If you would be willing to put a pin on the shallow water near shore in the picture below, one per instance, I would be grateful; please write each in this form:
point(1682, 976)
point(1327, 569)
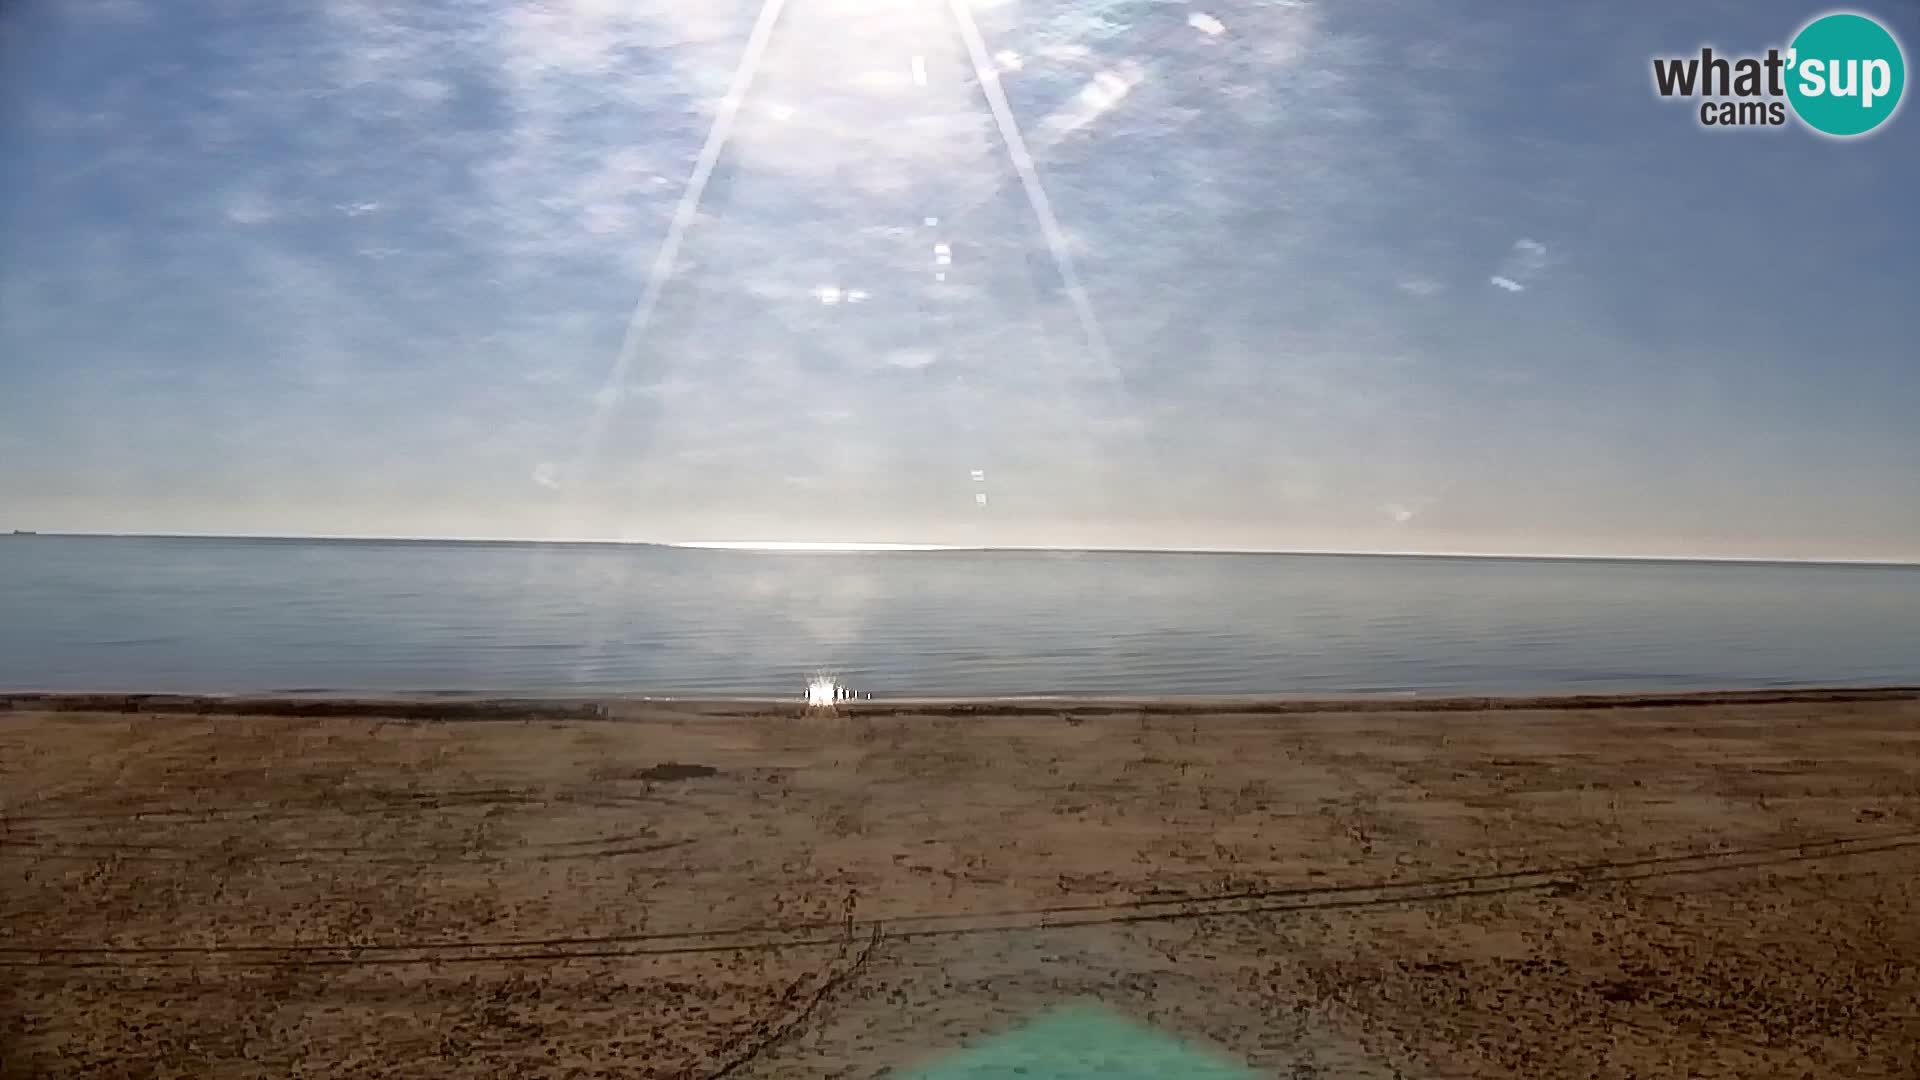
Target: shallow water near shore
point(196, 615)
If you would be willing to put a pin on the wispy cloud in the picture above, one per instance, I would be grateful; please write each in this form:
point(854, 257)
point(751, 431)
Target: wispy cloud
point(1525, 262)
point(1206, 24)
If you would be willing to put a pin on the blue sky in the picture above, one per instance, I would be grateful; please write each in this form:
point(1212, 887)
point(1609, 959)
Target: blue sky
point(1362, 275)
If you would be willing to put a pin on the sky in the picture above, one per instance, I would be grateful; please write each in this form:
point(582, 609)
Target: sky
point(1371, 275)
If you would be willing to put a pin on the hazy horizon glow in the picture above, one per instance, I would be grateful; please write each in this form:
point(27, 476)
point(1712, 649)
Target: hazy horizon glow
point(803, 545)
point(848, 275)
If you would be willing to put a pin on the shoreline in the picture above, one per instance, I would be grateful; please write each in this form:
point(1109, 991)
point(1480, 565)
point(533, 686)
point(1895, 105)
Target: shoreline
point(906, 548)
point(460, 705)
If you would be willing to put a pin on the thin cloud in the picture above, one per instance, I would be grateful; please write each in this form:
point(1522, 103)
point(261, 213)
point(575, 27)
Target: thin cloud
point(1206, 24)
point(1525, 262)
point(250, 209)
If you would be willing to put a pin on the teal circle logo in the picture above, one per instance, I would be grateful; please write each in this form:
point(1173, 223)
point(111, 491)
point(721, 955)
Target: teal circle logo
point(1845, 73)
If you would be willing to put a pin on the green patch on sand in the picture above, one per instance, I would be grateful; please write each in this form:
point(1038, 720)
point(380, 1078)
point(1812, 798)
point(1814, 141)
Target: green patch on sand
point(1081, 1043)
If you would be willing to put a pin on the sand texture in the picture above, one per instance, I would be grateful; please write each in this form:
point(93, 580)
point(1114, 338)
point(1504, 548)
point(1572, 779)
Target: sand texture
point(1718, 887)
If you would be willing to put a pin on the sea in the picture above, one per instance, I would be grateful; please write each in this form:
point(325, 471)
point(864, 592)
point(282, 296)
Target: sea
point(190, 615)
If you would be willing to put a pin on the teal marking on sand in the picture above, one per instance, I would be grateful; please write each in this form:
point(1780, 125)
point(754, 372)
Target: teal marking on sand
point(1082, 1044)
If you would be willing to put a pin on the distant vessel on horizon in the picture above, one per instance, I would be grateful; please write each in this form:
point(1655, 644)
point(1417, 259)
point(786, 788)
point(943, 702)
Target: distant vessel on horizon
point(25, 532)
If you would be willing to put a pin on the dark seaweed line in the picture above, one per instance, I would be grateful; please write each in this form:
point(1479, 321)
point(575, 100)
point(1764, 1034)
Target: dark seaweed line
point(522, 709)
point(294, 706)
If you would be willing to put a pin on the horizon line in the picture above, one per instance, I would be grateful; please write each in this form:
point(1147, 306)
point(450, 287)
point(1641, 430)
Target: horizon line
point(768, 547)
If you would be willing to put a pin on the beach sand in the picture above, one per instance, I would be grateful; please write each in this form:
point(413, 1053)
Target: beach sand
point(1714, 887)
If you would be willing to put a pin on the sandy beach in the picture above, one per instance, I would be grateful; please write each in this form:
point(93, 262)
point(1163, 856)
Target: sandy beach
point(1691, 886)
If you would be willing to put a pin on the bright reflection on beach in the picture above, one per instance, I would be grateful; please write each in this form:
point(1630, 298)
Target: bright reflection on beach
point(822, 691)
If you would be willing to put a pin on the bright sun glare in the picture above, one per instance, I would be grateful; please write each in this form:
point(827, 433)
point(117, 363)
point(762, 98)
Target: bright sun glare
point(822, 691)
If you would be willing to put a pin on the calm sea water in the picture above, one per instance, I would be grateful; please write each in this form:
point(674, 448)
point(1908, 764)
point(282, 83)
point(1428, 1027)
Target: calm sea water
point(239, 615)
